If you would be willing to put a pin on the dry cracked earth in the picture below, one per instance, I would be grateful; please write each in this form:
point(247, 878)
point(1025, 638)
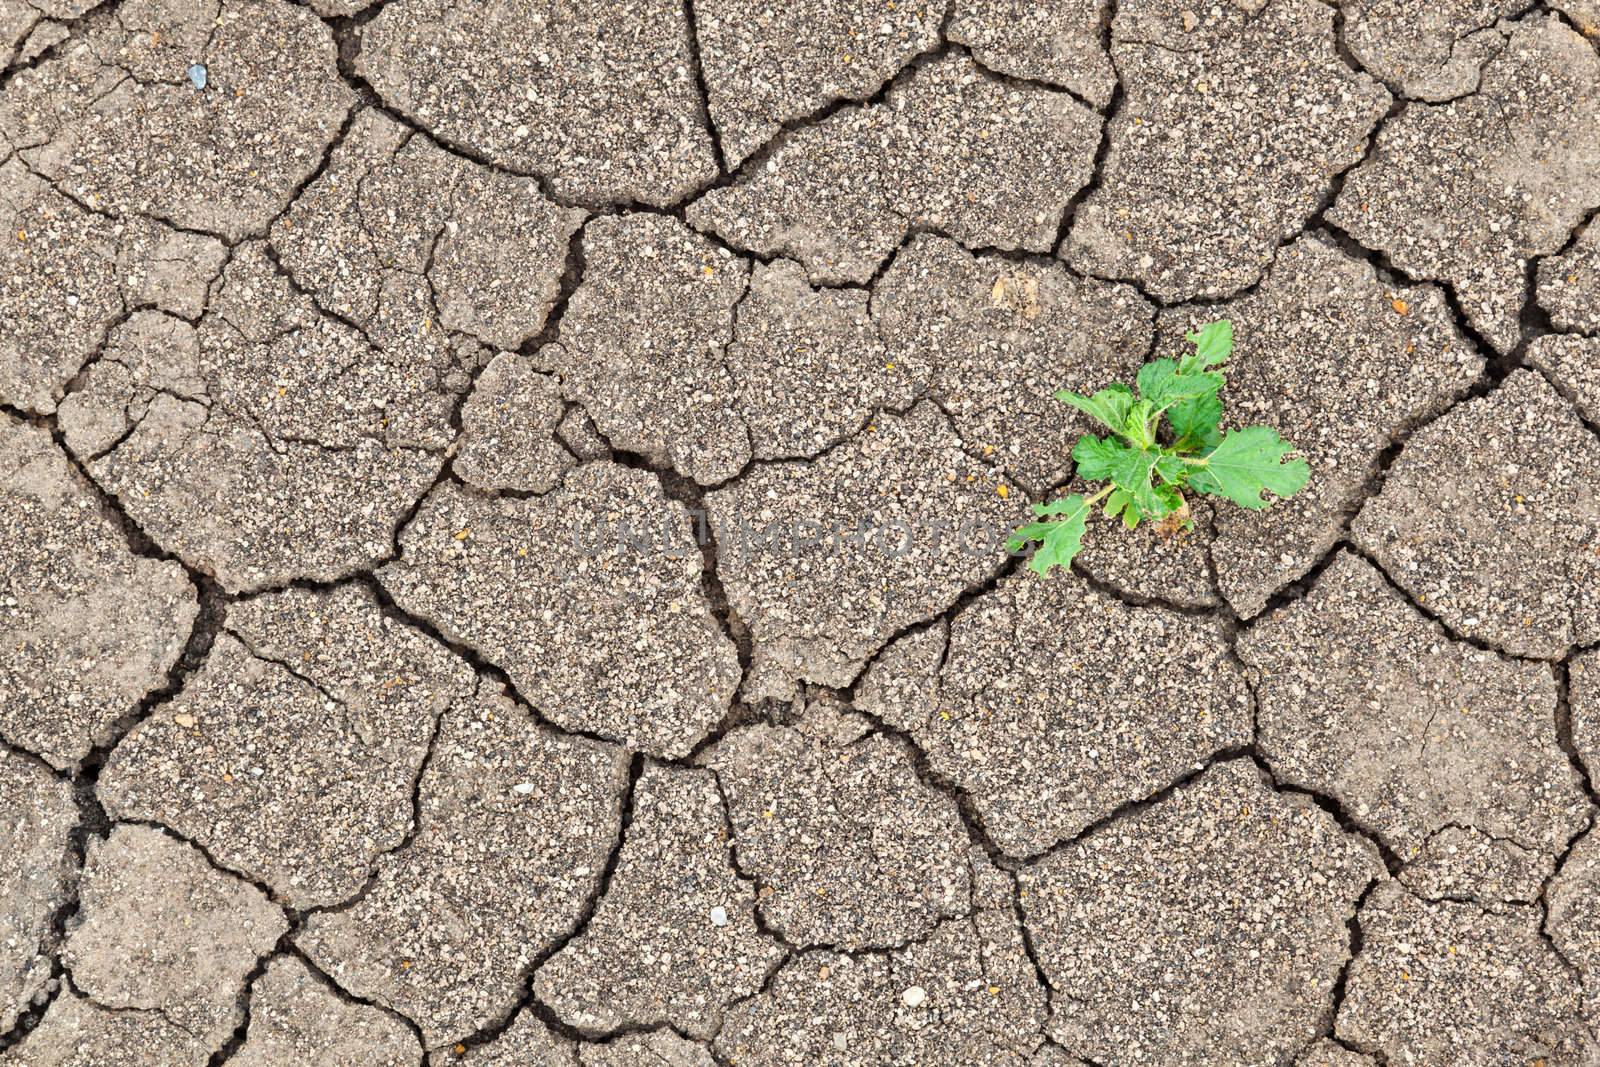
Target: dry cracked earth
point(501, 552)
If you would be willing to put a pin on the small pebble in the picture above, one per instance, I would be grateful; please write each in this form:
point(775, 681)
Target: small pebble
point(197, 75)
point(914, 996)
point(719, 916)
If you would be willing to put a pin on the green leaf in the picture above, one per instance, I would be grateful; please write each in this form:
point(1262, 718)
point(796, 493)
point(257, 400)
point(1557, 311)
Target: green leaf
point(1213, 344)
point(1097, 457)
point(1172, 470)
point(1129, 469)
point(1170, 497)
point(1060, 506)
point(1149, 479)
point(1060, 539)
point(1163, 384)
point(1109, 406)
point(1247, 462)
point(1132, 476)
point(1196, 423)
point(1139, 427)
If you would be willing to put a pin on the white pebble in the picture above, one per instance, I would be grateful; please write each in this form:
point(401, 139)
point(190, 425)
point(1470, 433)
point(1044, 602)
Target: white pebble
point(914, 996)
point(719, 916)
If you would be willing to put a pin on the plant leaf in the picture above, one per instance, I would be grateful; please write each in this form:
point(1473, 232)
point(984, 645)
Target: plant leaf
point(1133, 478)
point(1213, 344)
point(1097, 457)
point(1170, 497)
point(1173, 471)
point(1196, 423)
point(1247, 462)
point(1164, 384)
point(1060, 506)
point(1109, 406)
point(1128, 469)
point(1139, 428)
point(1060, 539)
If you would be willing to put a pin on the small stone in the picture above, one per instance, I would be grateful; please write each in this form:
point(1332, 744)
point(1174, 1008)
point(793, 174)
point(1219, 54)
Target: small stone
point(197, 75)
point(914, 996)
point(719, 916)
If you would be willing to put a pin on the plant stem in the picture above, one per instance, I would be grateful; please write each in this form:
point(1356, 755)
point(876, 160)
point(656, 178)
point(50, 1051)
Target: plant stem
point(1090, 501)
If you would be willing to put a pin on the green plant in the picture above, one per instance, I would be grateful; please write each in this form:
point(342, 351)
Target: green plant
point(1149, 466)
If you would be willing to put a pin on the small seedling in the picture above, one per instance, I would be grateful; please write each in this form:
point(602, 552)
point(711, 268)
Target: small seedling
point(1150, 464)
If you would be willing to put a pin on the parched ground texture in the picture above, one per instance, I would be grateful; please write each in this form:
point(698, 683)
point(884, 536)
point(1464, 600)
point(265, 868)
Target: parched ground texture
point(502, 513)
